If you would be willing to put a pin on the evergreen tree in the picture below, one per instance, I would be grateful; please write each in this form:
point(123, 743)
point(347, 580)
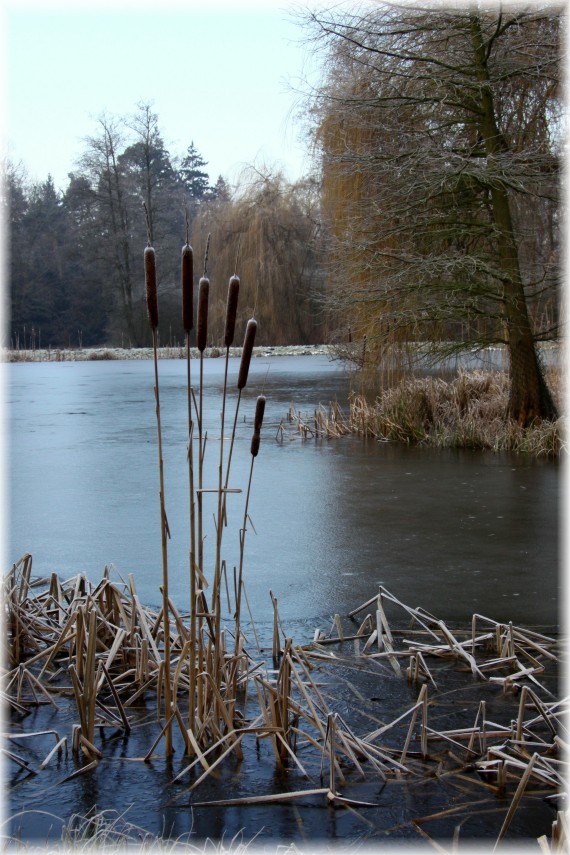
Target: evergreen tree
point(195, 180)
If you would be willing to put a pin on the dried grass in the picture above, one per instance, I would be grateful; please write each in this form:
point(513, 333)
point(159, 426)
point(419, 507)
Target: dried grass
point(466, 412)
point(120, 652)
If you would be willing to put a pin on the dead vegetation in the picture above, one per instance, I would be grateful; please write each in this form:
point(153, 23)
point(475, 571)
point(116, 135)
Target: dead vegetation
point(97, 647)
point(466, 412)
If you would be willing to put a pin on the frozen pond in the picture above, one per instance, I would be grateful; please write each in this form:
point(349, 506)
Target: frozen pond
point(452, 531)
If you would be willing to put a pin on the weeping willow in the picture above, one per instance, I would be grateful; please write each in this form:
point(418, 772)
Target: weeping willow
point(268, 232)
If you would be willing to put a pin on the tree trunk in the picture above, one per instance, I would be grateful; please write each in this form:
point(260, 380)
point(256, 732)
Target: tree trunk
point(530, 400)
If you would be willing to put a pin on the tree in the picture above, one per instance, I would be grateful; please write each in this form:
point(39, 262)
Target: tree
point(38, 285)
point(146, 166)
point(437, 135)
point(152, 181)
point(220, 192)
point(195, 180)
point(15, 205)
point(100, 165)
point(268, 229)
point(85, 267)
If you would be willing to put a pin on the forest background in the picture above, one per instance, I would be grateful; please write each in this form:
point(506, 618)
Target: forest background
point(431, 215)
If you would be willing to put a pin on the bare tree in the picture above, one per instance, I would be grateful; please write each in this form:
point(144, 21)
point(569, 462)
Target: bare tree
point(438, 137)
point(100, 163)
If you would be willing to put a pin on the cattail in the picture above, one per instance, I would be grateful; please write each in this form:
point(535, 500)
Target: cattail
point(246, 352)
point(255, 440)
point(231, 311)
point(151, 294)
point(202, 326)
point(257, 422)
point(187, 288)
point(259, 411)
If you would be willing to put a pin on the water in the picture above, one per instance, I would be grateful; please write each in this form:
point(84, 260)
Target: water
point(453, 531)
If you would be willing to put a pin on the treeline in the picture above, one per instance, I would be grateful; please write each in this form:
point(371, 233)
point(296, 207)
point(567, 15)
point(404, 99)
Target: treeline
point(75, 265)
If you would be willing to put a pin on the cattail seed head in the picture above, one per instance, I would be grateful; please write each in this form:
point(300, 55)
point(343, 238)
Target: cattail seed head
point(151, 292)
point(255, 440)
point(247, 350)
point(231, 311)
point(202, 325)
point(187, 288)
point(259, 411)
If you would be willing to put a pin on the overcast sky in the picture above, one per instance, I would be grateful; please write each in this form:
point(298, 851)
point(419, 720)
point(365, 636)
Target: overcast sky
point(216, 73)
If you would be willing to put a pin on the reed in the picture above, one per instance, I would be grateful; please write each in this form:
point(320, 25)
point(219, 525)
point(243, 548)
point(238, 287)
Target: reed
point(466, 412)
point(152, 309)
point(254, 450)
point(187, 282)
point(201, 342)
point(229, 330)
point(290, 705)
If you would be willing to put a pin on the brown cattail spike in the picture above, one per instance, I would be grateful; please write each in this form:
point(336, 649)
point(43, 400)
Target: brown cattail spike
point(231, 311)
point(246, 352)
point(259, 411)
point(255, 440)
point(202, 324)
point(187, 288)
point(151, 293)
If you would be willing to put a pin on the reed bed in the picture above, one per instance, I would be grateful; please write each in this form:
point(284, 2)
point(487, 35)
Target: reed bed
point(466, 412)
point(107, 665)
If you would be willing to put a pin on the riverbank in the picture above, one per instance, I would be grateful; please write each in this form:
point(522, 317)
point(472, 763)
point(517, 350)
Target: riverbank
point(105, 353)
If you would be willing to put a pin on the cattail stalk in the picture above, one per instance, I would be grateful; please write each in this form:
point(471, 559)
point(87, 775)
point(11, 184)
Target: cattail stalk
point(201, 341)
point(152, 310)
point(254, 448)
point(247, 350)
point(229, 330)
point(187, 275)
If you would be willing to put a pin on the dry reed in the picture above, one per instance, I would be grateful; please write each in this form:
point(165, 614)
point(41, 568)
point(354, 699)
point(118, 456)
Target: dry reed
point(466, 412)
point(289, 705)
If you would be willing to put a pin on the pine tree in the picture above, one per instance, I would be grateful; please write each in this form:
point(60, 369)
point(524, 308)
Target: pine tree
point(195, 179)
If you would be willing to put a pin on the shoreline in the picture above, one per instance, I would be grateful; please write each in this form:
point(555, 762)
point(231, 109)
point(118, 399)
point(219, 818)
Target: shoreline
point(86, 354)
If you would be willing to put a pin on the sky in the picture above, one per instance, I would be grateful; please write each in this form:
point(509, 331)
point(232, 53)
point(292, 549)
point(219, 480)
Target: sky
point(219, 74)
